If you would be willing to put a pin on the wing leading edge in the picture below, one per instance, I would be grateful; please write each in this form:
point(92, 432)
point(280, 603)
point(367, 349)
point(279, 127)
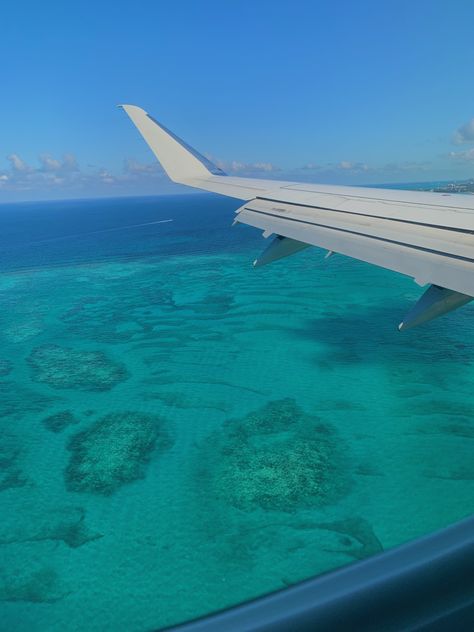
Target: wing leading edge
point(428, 236)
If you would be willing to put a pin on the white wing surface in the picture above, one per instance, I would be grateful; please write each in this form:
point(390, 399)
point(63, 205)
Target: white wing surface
point(428, 236)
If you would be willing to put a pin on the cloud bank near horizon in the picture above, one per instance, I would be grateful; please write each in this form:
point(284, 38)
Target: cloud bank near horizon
point(65, 177)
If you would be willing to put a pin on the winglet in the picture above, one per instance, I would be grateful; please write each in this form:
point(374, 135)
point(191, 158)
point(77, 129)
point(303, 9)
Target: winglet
point(180, 161)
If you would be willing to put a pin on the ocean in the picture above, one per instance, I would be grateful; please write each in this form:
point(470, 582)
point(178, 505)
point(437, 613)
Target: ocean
point(181, 432)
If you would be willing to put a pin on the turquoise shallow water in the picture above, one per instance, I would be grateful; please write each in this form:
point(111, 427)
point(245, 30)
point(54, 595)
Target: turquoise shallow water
point(180, 432)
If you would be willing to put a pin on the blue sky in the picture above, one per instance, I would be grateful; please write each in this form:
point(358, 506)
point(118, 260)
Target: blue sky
point(328, 91)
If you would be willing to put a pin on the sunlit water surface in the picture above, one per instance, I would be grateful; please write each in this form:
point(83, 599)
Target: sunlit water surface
point(180, 432)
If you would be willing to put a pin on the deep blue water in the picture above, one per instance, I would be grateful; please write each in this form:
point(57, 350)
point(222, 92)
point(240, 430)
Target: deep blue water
point(65, 232)
point(181, 432)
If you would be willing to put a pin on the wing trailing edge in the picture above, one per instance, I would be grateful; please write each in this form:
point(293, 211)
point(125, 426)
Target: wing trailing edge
point(427, 236)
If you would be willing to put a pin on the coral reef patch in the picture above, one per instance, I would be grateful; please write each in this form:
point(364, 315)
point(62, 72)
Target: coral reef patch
point(114, 451)
point(62, 367)
point(276, 458)
point(66, 524)
point(57, 422)
point(38, 586)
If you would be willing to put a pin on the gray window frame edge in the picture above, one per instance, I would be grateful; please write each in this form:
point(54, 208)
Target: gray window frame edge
point(425, 584)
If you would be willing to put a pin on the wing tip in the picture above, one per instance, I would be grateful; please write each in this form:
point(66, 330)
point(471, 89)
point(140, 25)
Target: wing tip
point(129, 107)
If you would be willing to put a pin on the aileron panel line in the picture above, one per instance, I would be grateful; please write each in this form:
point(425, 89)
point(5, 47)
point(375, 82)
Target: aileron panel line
point(420, 236)
point(425, 266)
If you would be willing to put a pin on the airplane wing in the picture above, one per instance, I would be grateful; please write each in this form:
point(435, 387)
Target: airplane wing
point(427, 236)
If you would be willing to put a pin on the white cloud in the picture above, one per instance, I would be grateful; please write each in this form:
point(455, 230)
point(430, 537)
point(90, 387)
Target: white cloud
point(462, 156)
point(106, 177)
point(17, 163)
point(408, 166)
point(51, 174)
point(135, 168)
point(465, 133)
point(362, 167)
point(68, 163)
point(245, 168)
point(54, 177)
point(312, 166)
point(357, 172)
point(64, 177)
point(48, 163)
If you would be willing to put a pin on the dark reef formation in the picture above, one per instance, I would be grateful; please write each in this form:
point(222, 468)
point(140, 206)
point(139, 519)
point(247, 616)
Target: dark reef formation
point(213, 303)
point(185, 401)
point(5, 367)
point(16, 400)
point(57, 422)
point(10, 473)
point(38, 586)
point(358, 538)
point(66, 524)
point(62, 367)
point(276, 458)
point(458, 427)
point(114, 451)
